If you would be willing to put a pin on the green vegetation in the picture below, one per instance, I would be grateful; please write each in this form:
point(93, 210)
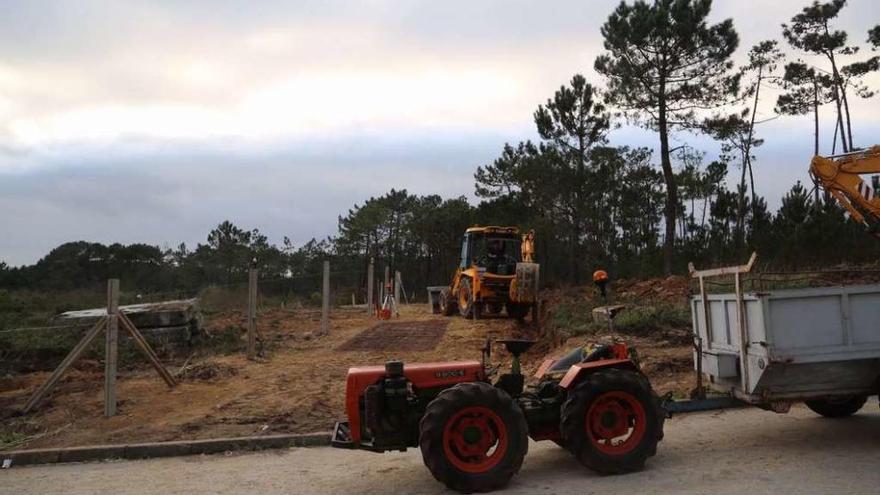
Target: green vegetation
point(11, 439)
point(22, 308)
point(642, 320)
point(574, 318)
point(226, 341)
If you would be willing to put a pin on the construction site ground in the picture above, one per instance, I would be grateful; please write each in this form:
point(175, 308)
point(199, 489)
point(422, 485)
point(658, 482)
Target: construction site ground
point(297, 387)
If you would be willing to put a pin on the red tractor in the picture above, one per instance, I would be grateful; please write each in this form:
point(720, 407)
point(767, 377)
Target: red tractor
point(594, 402)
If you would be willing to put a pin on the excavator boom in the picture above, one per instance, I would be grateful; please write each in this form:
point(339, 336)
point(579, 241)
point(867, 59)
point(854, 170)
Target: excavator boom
point(841, 175)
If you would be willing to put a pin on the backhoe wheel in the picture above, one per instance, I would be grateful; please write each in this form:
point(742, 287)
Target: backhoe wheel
point(473, 437)
point(612, 421)
point(518, 311)
point(447, 304)
point(837, 407)
point(467, 305)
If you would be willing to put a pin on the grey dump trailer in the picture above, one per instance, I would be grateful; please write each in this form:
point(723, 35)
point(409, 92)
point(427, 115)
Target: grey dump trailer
point(773, 348)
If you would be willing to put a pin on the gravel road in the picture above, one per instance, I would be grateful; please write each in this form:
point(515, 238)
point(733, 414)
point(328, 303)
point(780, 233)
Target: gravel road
point(745, 451)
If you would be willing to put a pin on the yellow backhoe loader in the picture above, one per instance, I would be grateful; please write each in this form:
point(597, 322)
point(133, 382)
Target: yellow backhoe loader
point(496, 272)
point(840, 175)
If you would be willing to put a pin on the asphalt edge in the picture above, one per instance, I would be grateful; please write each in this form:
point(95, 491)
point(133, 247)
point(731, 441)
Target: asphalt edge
point(163, 449)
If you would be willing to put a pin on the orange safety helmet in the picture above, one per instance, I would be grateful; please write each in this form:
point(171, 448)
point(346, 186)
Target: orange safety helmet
point(600, 276)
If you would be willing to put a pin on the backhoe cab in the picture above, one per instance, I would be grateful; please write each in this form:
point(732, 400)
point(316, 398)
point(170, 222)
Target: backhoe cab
point(495, 272)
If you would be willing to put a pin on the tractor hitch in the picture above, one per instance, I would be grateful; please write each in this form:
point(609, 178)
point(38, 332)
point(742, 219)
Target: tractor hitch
point(341, 437)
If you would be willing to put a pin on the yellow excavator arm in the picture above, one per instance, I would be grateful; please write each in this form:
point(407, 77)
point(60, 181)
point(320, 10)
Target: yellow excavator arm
point(840, 175)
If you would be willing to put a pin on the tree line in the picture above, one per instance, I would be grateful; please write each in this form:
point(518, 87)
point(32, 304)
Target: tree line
point(663, 67)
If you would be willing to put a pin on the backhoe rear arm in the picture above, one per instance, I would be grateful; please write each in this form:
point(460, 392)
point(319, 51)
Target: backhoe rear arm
point(840, 175)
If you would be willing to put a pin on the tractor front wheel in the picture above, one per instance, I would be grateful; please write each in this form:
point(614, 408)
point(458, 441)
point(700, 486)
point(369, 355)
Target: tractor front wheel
point(447, 304)
point(612, 421)
point(473, 437)
point(467, 304)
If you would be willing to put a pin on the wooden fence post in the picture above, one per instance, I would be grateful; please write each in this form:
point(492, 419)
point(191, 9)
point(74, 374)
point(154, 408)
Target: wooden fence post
point(110, 326)
point(252, 314)
point(325, 306)
point(111, 351)
point(147, 351)
point(370, 288)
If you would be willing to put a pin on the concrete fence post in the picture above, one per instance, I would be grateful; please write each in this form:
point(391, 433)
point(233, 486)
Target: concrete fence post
point(325, 307)
point(370, 276)
point(252, 314)
point(111, 350)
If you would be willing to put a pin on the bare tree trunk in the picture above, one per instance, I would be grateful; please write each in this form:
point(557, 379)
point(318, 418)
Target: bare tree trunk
point(848, 121)
point(840, 93)
point(741, 207)
point(671, 192)
point(815, 135)
point(748, 154)
point(578, 205)
point(838, 131)
point(837, 98)
point(815, 117)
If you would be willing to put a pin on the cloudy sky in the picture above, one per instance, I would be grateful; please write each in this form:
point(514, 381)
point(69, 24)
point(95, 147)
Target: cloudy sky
point(149, 121)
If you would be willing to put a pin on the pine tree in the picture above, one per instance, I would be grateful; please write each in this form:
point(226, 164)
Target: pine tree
point(663, 63)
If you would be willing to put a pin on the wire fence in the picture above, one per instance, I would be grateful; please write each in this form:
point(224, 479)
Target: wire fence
point(37, 329)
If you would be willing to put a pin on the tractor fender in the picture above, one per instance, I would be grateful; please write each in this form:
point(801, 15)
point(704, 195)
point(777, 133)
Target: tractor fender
point(574, 374)
point(545, 365)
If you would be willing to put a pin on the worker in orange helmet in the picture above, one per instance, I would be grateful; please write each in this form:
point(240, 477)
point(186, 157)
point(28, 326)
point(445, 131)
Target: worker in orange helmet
point(600, 278)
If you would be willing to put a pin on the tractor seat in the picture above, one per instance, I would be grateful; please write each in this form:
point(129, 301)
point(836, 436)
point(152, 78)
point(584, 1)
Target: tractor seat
point(581, 355)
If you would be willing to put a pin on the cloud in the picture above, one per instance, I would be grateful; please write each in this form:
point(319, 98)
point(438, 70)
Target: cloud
point(166, 196)
point(152, 121)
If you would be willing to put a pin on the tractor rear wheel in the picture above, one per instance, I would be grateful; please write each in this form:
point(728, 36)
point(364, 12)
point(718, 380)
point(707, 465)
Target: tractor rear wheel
point(467, 304)
point(447, 304)
point(612, 421)
point(839, 407)
point(473, 437)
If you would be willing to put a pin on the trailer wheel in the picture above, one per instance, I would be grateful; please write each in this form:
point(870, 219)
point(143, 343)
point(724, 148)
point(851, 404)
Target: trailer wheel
point(612, 421)
point(467, 304)
point(447, 304)
point(839, 407)
point(473, 437)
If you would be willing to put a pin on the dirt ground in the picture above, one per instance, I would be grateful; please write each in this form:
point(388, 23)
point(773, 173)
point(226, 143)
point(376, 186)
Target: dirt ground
point(407, 335)
point(297, 387)
point(741, 451)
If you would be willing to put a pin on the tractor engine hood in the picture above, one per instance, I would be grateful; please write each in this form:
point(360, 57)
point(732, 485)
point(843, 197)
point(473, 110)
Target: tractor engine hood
point(420, 375)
